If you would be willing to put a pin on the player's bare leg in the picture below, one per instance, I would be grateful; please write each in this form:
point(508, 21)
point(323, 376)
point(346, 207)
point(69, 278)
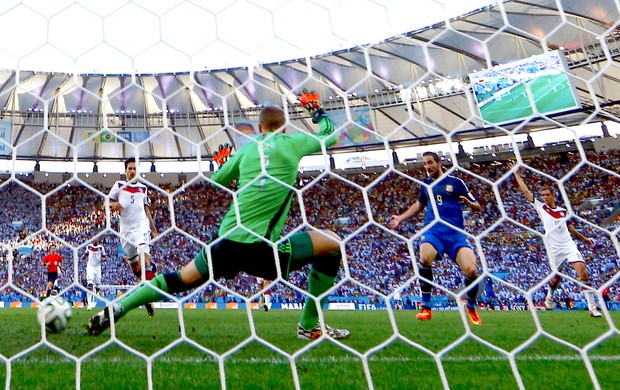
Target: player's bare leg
point(466, 259)
point(580, 268)
point(552, 286)
point(49, 287)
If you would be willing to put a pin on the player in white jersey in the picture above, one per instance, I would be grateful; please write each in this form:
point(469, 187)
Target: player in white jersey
point(265, 298)
point(562, 247)
point(96, 254)
point(136, 225)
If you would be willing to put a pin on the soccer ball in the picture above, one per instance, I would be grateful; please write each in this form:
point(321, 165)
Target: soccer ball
point(54, 313)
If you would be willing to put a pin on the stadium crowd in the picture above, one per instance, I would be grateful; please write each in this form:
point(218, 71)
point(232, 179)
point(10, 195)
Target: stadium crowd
point(379, 261)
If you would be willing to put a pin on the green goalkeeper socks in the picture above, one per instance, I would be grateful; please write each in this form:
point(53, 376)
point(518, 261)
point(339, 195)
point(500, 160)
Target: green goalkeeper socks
point(318, 283)
point(144, 294)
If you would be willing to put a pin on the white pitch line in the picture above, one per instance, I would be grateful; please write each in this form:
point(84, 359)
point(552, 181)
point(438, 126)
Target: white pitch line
point(284, 361)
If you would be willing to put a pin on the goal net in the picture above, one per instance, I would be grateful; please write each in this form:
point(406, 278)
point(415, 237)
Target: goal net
point(510, 88)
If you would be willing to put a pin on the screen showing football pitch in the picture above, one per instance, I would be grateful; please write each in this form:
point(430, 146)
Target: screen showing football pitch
point(510, 92)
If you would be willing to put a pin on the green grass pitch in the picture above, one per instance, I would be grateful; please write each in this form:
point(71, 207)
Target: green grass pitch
point(394, 362)
point(551, 94)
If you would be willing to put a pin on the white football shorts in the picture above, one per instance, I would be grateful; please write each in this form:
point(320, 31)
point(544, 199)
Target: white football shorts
point(561, 255)
point(136, 242)
point(93, 275)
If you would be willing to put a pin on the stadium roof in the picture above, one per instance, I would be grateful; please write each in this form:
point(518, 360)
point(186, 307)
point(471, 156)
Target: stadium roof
point(175, 110)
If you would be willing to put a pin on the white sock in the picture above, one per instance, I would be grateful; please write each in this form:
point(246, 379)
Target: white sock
point(550, 292)
point(91, 298)
point(268, 300)
point(589, 298)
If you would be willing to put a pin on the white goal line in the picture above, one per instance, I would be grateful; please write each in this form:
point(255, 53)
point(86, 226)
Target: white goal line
point(342, 359)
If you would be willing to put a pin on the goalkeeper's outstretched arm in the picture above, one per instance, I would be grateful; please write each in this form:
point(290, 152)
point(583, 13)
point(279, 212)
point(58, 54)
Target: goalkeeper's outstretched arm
point(311, 102)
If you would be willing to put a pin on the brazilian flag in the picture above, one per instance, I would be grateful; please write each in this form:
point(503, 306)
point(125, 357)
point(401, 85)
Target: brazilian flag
point(107, 136)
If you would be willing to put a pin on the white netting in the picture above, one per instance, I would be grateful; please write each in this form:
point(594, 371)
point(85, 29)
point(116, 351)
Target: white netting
point(395, 98)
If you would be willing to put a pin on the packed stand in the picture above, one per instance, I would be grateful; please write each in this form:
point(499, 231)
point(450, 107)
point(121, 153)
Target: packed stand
point(379, 261)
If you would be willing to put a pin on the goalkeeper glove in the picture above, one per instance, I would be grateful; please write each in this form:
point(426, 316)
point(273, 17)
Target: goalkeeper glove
point(310, 101)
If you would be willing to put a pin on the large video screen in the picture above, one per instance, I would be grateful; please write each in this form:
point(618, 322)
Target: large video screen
point(503, 97)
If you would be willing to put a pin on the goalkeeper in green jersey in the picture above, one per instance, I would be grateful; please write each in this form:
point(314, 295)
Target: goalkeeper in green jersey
point(266, 172)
